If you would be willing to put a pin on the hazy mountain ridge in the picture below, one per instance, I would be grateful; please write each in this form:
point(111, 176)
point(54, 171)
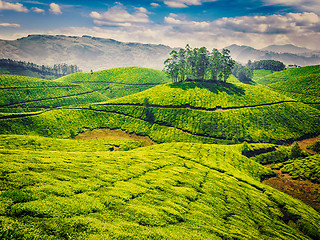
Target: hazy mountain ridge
point(99, 53)
point(288, 54)
point(86, 52)
point(287, 48)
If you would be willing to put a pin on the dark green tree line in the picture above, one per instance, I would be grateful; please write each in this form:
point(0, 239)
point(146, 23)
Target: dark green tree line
point(58, 69)
point(199, 64)
point(272, 65)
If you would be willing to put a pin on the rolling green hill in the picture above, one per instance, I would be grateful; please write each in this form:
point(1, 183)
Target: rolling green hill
point(288, 74)
point(24, 94)
point(187, 112)
point(305, 89)
point(167, 191)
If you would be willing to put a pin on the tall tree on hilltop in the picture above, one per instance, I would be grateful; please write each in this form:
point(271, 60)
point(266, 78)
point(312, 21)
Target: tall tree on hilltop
point(182, 64)
point(227, 64)
point(215, 64)
point(202, 62)
point(171, 66)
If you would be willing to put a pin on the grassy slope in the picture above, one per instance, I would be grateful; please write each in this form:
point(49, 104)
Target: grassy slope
point(168, 191)
point(206, 95)
point(305, 89)
point(130, 75)
point(301, 84)
point(288, 74)
point(283, 121)
point(32, 94)
point(258, 74)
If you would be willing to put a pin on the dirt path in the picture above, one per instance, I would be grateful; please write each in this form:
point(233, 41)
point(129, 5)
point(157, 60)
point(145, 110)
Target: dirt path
point(305, 142)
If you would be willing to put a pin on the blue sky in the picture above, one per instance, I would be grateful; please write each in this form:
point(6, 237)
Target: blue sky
point(211, 23)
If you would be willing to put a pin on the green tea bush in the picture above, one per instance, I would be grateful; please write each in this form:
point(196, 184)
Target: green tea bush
point(315, 147)
point(306, 168)
point(164, 191)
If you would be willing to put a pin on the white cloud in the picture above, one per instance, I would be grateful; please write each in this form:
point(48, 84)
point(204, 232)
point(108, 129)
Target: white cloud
point(119, 16)
point(38, 10)
point(273, 24)
point(302, 29)
point(155, 4)
point(304, 5)
point(184, 3)
point(142, 9)
point(18, 7)
point(174, 4)
point(14, 25)
point(55, 9)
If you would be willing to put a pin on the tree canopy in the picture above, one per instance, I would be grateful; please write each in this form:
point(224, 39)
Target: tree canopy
point(199, 64)
point(267, 65)
point(242, 73)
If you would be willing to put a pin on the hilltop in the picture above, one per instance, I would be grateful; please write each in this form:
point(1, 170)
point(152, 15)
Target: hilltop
point(25, 94)
point(87, 52)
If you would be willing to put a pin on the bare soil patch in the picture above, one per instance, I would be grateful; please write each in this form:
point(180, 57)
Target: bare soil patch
point(305, 142)
point(305, 190)
point(113, 135)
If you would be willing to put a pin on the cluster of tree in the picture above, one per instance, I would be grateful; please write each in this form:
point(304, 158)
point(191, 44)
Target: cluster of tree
point(242, 73)
point(272, 65)
point(58, 70)
point(199, 64)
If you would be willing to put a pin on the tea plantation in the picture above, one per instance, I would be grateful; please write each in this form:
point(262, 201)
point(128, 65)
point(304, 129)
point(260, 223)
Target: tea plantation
point(202, 180)
point(288, 74)
point(167, 191)
point(25, 94)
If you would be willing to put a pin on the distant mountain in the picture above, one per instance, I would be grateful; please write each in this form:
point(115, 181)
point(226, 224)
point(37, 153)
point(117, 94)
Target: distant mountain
point(243, 54)
point(86, 52)
point(287, 48)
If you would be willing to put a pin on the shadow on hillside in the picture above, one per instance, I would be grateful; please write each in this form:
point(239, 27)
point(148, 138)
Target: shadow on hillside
point(212, 86)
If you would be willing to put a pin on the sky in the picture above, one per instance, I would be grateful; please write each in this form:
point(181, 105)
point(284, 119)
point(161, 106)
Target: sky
point(210, 23)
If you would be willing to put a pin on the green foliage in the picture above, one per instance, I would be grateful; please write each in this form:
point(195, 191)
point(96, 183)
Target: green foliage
point(305, 89)
point(33, 143)
point(31, 94)
point(276, 166)
point(295, 151)
point(280, 155)
point(245, 149)
point(242, 73)
point(125, 75)
point(167, 191)
point(305, 168)
point(191, 112)
point(205, 94)
point(199, 64)
point(271, 65)
point(289, 74)
point(8, 66)
point(315, 147)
